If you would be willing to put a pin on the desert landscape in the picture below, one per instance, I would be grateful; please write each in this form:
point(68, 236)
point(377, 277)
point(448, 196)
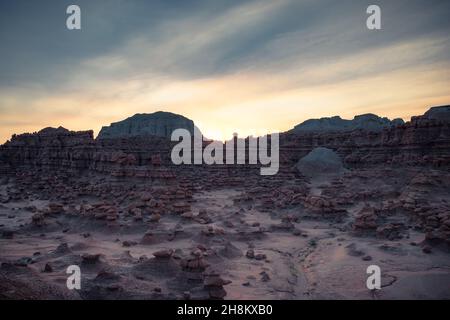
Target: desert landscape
point(348, 194)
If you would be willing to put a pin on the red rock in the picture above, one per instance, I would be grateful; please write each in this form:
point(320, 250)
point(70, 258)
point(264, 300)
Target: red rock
point(155, 217)
point(165, 253)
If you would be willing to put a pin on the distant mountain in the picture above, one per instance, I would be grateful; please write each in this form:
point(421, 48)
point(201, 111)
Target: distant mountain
point(160, 124)
point(439, 113)
point(369, 122)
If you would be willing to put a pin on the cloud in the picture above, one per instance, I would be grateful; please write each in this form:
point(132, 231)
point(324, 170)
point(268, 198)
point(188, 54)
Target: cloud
point(245, 66)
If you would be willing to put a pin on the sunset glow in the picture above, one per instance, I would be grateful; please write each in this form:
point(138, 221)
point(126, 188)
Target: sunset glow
point(196, 66)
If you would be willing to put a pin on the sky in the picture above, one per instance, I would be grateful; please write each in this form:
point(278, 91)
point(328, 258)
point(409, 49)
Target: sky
point(250, 67)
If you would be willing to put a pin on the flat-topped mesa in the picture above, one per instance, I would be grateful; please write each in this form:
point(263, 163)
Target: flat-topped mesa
point(160, 124)
point(367, 122)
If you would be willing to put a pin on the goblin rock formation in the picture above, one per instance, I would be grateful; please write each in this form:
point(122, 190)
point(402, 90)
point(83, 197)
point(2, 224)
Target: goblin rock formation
point(141, 227)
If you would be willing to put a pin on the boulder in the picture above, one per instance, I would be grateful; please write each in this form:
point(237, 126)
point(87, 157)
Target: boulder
point(320, 161)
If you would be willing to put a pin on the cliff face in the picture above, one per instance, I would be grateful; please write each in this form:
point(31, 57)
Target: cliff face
point(424, 141)
point(61, 149)
point(49, 147)
point(160, 124)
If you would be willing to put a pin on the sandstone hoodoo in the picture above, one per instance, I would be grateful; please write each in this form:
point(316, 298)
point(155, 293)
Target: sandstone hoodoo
point(160, 124)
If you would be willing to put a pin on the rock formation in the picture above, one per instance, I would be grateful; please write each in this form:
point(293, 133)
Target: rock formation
point(423, 141)
point(320, 161)
point(366, 122)
point(441, 113)
point(160, 124)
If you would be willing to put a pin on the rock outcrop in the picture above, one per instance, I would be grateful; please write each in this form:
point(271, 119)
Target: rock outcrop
point(49, 148)
point(160, 124)
point(320, 161)
point(441, 113)
point(367, 122)
point(424, 141)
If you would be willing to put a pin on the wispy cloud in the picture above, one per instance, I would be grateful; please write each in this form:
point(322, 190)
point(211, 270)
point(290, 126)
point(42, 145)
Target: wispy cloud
point(246, 66)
